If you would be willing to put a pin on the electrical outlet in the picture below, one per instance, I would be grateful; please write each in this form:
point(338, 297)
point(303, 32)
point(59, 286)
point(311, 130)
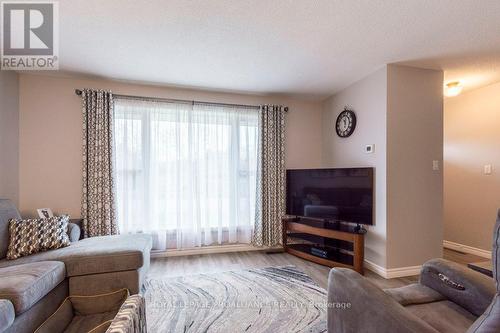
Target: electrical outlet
point(435, 165)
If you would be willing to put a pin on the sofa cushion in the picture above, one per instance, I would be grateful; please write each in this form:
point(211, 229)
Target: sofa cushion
point(24, 285)
point(36, 235)
point(7, 211)
point(96, 254)
point(36, 315)
point(444, 316)
point(414, 293)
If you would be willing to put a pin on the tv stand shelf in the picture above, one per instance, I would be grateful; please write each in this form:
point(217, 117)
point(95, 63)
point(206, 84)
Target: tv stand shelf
point(340, 246)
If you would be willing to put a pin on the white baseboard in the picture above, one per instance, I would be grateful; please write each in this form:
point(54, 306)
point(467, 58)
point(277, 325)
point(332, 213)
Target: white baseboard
point(403, 271)
point(466, 249)
point(210, 250)
point(387, 273)
point(375, 268)
point(391, 273)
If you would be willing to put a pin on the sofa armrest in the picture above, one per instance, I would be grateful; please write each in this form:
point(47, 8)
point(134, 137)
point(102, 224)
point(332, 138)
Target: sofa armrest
point(7, 314)
point(357, 305)
point(461, 285)
point(73, 232)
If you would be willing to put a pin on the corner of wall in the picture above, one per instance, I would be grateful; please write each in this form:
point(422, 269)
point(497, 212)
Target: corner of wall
point(471, 125)
point(395, 105)
point(9, 136)
point(368, 98)
point(414, 189)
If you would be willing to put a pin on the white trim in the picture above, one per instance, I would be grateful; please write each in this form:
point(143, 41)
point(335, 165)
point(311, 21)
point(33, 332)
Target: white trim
point(375, 268)
point(403, 271)
point(466, 249)
point(391, 273)
point(210, 250)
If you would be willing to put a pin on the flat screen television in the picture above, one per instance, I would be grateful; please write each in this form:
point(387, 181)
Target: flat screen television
point(340, 195)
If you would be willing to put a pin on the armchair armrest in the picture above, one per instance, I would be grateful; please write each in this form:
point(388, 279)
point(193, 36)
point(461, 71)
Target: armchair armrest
point(73, 232)
point(7, 314)
point(461, 285)
point(489, 321)
point(131, 317)
point(357, 305)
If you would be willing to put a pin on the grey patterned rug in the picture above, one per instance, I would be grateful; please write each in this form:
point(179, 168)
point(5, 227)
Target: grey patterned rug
point(272, 299)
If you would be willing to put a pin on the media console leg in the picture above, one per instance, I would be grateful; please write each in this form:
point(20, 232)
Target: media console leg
point(359, 248)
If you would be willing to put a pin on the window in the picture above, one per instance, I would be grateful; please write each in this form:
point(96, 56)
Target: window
point(186, 172)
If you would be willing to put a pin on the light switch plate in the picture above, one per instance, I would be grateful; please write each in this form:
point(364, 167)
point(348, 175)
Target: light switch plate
point(435, 165)
point(369, 149)
point(487, 169)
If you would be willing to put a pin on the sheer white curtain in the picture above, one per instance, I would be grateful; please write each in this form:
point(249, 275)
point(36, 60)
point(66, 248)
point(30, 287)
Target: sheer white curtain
point(186, 172)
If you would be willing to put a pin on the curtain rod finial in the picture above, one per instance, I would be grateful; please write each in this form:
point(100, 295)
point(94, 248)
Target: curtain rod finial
point(78, 92)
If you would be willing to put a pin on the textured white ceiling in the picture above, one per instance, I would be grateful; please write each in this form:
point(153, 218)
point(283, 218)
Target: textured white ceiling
point(309, 48)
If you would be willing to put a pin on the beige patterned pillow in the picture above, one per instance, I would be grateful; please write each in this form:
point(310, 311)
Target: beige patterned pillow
point(37, 235)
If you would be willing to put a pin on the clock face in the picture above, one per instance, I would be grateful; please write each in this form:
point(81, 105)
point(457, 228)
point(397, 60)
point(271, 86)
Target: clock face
point(346, 123)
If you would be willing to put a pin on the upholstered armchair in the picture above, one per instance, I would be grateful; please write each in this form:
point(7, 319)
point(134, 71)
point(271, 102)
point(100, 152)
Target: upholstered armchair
point(448, 298)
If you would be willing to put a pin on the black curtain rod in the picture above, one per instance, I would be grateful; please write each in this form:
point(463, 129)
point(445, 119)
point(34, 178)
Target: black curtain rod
point(79, 93)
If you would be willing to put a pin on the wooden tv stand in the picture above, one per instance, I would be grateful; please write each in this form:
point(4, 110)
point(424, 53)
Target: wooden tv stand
point(341, 245)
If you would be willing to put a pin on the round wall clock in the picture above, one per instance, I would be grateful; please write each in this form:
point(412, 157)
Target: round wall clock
point(346, 123)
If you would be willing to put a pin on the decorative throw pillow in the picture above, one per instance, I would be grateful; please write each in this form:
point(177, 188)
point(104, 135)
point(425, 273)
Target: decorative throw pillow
point(37, 235)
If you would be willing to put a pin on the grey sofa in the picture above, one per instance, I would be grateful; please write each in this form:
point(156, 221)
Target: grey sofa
point(448, 298)
point(32, 287)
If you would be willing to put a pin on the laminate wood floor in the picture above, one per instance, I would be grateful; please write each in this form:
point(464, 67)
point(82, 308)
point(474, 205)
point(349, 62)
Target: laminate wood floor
point(210, 263)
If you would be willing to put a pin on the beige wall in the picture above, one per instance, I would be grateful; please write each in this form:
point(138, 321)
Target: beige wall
point(51, 125)
point(399, 110)
point(367, 98)
point(472, 139)
point(9, 136)
point(414, 189)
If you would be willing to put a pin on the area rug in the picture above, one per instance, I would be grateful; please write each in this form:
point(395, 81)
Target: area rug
point(272, 299)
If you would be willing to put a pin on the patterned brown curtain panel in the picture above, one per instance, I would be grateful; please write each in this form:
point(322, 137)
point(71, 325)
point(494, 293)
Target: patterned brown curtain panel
point(98, 202)
point(271, 173)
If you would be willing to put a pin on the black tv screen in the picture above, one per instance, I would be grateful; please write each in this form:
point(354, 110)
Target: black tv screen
point(344, 195)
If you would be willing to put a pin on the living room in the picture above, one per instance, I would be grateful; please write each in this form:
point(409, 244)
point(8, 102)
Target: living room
point(218, 166)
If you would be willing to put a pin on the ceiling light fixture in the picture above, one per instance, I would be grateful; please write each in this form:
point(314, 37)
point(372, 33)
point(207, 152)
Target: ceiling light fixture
point(453, 89)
